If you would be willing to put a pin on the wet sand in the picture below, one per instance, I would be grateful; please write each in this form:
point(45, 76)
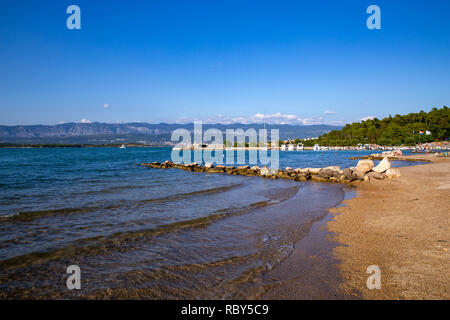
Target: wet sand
point(401, 225)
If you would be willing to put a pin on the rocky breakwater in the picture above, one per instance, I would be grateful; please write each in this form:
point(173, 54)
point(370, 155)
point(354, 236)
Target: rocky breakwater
point(364, 171)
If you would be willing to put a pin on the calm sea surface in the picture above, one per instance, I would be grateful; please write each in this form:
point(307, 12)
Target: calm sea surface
point(138, 232)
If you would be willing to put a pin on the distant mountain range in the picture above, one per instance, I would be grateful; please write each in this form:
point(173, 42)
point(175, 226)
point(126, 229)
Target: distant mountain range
point(144, 133)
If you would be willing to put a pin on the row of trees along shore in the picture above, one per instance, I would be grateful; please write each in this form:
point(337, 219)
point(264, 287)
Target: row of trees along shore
point(397, 130)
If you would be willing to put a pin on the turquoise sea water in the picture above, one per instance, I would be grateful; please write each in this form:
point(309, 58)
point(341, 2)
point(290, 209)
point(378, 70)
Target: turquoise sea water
point(148, 233)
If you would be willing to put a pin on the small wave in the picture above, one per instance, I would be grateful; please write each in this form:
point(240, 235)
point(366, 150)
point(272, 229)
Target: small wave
point(26, 216)
point(104, 244)
point(112, 190)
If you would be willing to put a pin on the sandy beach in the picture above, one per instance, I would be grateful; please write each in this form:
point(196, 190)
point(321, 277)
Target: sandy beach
point(402, 226)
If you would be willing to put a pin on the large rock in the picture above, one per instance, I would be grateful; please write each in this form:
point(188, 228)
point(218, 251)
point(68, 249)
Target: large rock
point(319, 178)
point(334, 168)
point(209, 165)
point(256, 168)
point(393, 153)
point(314, 170)
point(215, 170)
point(289, 171)
point(267, 172)
point(326, 173)
point(364, 166)
point(392, 173)
point(243, 167)
point(382, 166)
point(376, 175)
point(348, 173)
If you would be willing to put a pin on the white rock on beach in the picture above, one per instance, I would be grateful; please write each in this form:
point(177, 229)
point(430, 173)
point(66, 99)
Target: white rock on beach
point(382, 166)
point(267, 172)
point(392, 173)
point(364, 166)
point(209, 165)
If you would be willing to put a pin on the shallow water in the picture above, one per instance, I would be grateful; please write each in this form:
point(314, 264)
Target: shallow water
point(138, 232)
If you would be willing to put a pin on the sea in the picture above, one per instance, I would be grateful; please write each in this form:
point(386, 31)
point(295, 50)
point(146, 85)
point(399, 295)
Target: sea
point(137, 232)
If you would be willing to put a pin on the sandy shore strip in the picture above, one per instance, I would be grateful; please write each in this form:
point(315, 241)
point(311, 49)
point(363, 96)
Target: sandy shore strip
point(402, 226)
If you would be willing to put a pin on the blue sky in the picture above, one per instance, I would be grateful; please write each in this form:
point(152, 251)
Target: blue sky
point(249, 61)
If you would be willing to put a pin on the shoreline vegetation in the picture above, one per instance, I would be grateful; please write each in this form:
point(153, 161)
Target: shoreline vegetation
point(400, 225)
point(409, 130)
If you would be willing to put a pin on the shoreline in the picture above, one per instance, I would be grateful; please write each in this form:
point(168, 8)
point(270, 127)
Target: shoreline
point(312, 271)
point(401, 225)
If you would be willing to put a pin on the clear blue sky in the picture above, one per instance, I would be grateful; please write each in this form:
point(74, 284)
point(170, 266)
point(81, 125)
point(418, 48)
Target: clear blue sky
point(165, 60)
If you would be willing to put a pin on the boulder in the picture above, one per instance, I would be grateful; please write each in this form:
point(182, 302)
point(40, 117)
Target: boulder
point(193, 164)
point(267, 172)
point(348, 173)
point(319, 178)
point(326, 173)
point(281, 174)
point(216, 170)
point(289, 171)
point(334, 168)
point(397, 153)
point(209, 165)
point(392, 173)
point(298, 170)
point(337, 174)
point(314, 170)
point(360, 176)
point(376, 175)
point(364, 166)
point(382, 166)
point(243, 167)
point(301, 177)
point(256, 168)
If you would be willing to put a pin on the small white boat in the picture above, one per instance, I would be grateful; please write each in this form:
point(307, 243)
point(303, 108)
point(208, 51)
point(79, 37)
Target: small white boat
point(122, 146)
